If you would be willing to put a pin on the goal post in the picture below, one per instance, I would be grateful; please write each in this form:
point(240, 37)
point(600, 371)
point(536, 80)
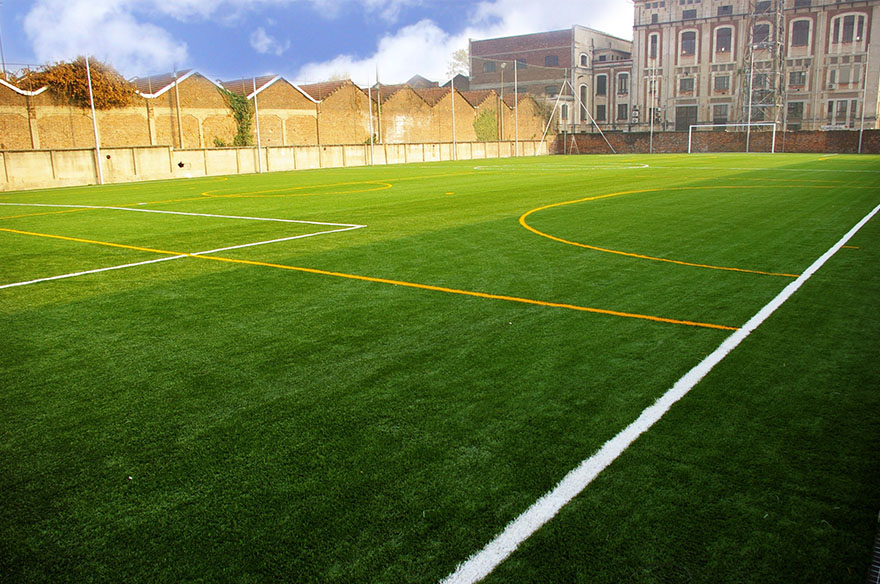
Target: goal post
point(747, 126)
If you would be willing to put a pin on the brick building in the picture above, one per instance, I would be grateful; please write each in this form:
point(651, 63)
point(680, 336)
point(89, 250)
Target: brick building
point(562, 65)
point(802, 63)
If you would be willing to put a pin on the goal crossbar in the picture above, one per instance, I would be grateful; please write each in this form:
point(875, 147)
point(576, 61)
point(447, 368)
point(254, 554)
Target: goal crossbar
point(749, 126)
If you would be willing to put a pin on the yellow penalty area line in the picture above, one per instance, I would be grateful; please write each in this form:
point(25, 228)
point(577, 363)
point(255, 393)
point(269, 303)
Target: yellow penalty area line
point(384, 281)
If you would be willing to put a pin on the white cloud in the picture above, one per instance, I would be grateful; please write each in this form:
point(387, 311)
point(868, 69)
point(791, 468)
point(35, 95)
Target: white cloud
point(425, 49)
point(63, 29)
point(263, 43)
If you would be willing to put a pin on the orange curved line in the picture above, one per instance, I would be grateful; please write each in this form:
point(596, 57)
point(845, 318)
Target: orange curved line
point(522, 221)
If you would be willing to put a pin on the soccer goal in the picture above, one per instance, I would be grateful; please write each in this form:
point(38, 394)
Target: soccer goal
point(748, 128)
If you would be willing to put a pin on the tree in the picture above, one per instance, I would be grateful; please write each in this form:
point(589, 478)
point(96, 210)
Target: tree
point(70, 82)
point(460, 63)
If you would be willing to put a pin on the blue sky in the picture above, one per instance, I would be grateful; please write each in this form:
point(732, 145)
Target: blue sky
point(304, 40)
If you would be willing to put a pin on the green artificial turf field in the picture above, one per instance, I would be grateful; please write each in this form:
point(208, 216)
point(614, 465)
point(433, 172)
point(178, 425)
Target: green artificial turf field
point(370, 386)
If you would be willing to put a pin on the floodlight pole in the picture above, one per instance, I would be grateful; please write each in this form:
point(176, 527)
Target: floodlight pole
point(452, 97)
point(370, 100)
point(95, 125)
point(865, 95)
point(515, 111)
point(2, 54)
point(257, 118)
point(653, 88)
point(751, 77)
point(501, 102)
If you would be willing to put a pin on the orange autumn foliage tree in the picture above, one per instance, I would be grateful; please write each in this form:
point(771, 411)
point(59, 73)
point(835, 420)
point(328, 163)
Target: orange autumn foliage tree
point(69, 81)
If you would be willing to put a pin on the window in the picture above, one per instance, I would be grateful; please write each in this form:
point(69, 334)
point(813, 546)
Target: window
point(603, 58)
point(601, 84)
point(761, 33)
point(720, 113)
point(723, 39)
point(563, 115)
point(488, 66)
point(759, 81)
point(653, 41)
point(583, 106)
point(655, 18)
point(585, 62)
point(802, 3)
point(521, 64)
point(722, 83)
point(551, 61)
point(688, 43)
point(797, 78)
point(686, 85)
point(622, 83)
point(762, 7)
point(725, 10)
point(800, 33)
point(795, 110)
point(551, 90)
point(847, 28)
point(600, 113)
point(622, 111)
point(689, 14)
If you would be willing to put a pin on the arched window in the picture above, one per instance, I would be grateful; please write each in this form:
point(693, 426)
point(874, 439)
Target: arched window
point(563, 116)
point(761, 32)
point(848, 28)
point(800, 33)
point(653, 45)
point(723, 39)
point(585, 61)
point(688, 43)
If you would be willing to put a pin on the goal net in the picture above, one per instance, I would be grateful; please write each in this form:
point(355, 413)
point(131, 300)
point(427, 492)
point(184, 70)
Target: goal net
point(753, 137)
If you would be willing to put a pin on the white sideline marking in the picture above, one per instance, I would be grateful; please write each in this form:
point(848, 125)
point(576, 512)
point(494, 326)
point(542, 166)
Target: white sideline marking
point(352, 225)
point(177, 257)
point(481, 564)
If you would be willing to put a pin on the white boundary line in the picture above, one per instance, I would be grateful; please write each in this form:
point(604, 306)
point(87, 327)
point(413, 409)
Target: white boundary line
point(352, 225)
point(481, 564)
point(344, 227)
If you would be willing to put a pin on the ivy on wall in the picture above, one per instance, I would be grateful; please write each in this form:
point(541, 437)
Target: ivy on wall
point(243, 114)
point(70, 82)
point(486, 126)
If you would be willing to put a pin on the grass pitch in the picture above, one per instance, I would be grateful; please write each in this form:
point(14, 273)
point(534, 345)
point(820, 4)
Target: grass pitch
point(417, 353)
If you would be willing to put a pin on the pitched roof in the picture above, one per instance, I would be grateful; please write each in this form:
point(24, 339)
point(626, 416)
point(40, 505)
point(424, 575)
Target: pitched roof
point(476, 97)
point(321, 91)
point(23, 91)
point(156, 85)
point(386, 91)
point(245, 87)
point(433, 95)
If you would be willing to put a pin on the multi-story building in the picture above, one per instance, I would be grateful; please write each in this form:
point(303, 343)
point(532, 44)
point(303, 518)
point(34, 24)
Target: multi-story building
point(805, 64)
point(563, 66)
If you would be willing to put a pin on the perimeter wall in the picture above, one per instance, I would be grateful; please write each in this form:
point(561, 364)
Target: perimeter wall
point(832, 142)
point(30, 169)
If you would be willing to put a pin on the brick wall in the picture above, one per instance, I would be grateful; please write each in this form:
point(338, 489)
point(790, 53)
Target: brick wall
point(842, 142)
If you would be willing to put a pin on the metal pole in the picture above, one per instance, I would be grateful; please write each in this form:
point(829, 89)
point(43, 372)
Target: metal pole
point(257, 118)
point(751, 76)
point(653, 88)
point(177, 101)
point(515, 111)
point(95, 125)
point(501, 103)
point(370, 99)
point(452, 96)
point(864, 96)
point(2, 54)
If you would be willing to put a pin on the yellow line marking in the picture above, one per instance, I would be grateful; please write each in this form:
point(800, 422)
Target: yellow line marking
point(522, 221)
point(384, 281)
point(44, 213)
point(851, 247)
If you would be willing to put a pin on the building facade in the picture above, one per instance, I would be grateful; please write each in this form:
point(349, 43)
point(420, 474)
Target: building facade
point(562, 67)
point(805, 64)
